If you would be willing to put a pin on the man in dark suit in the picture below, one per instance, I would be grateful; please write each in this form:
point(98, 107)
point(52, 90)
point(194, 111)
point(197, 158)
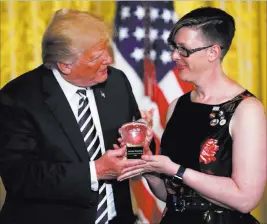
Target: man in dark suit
point(44, 153)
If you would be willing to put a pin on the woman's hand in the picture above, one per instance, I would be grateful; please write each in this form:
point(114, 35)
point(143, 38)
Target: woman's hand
point(146, 144)
point(154, 163)
point(148, 117)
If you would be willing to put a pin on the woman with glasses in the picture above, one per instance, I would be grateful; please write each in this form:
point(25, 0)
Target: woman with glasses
point(213, 151)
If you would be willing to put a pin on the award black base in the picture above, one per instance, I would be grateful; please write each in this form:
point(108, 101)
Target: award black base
point(134, 152)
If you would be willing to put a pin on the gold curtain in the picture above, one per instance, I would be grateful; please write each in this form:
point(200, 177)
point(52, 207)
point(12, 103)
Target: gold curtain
point(23, 23)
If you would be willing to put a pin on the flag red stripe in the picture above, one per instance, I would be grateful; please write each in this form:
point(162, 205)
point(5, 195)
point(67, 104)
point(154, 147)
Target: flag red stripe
point(159, 98)
point(153, 91)
point(148, 206)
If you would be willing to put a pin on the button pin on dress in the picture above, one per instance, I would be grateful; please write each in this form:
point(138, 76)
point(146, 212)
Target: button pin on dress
point(222, 122)
point(216, 108)
point(214, 122)
point(212, 115)
point(221, 113)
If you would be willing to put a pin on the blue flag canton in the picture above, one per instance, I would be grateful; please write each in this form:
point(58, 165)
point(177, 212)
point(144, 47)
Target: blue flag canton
point(130, 34)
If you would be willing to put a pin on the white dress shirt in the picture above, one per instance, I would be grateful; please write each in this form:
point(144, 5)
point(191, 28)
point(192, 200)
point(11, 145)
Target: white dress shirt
point(73, 99)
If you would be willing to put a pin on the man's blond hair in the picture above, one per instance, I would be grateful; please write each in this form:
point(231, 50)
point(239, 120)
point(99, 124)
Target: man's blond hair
point(70, 33)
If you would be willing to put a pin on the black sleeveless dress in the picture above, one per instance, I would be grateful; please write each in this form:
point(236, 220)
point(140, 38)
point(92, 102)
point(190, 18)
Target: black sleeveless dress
point(197, 137)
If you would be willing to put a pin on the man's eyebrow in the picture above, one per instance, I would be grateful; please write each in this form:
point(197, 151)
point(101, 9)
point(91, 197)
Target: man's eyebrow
point(98, 51)
point(95, 55)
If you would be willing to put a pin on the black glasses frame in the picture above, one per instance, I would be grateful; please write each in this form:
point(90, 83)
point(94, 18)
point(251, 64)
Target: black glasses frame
point(189, 51)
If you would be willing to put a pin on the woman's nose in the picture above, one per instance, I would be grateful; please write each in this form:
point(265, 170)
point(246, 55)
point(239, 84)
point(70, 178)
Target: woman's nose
point(175, 55)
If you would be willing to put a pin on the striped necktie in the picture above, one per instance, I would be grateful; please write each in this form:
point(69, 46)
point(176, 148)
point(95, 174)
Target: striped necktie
point(91, 139)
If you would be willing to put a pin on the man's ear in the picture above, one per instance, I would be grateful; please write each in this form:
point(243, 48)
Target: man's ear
point(64, 68)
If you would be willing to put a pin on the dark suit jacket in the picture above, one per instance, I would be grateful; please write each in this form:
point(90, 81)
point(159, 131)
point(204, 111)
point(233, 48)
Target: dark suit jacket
point(43, 159)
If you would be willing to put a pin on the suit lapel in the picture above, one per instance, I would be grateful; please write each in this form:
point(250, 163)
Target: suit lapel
point(59, 106)
point(102, 105)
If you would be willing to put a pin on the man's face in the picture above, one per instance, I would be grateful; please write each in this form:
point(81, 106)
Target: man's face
point(91, 67)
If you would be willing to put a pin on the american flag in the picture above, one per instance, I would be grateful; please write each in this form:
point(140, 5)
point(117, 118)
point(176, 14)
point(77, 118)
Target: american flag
point(141, 51)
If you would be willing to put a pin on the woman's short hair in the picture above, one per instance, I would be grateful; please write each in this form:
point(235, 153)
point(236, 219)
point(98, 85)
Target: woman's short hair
point(69, 33)
point(216, 26)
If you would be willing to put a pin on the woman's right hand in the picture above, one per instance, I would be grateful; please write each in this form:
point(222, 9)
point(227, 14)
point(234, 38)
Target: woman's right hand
point(153, 163)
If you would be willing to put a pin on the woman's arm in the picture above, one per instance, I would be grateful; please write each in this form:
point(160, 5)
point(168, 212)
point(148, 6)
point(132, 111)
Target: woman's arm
point(245, 188)
point(156, 185)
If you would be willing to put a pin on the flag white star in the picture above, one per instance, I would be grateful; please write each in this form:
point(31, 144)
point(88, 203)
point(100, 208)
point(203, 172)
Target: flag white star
point(153, 34)
point(165, 57)
point(174, 17)
point(125, 12)
point(165, 35)
point(166, 15)
point(140, 12)
point(123, 33)
point(137, 54)
point(154, 14)
point(153, 55)
point(139, 33)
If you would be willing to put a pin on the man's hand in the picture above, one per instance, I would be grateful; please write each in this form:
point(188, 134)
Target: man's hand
point(110, 165)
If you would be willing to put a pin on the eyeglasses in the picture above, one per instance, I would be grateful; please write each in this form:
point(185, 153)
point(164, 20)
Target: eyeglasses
point(187, 52)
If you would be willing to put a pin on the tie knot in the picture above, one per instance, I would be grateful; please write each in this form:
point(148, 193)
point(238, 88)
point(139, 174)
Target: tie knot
point(81, 92)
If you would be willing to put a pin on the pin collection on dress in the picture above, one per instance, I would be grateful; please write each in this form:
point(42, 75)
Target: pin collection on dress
point(217, 117)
